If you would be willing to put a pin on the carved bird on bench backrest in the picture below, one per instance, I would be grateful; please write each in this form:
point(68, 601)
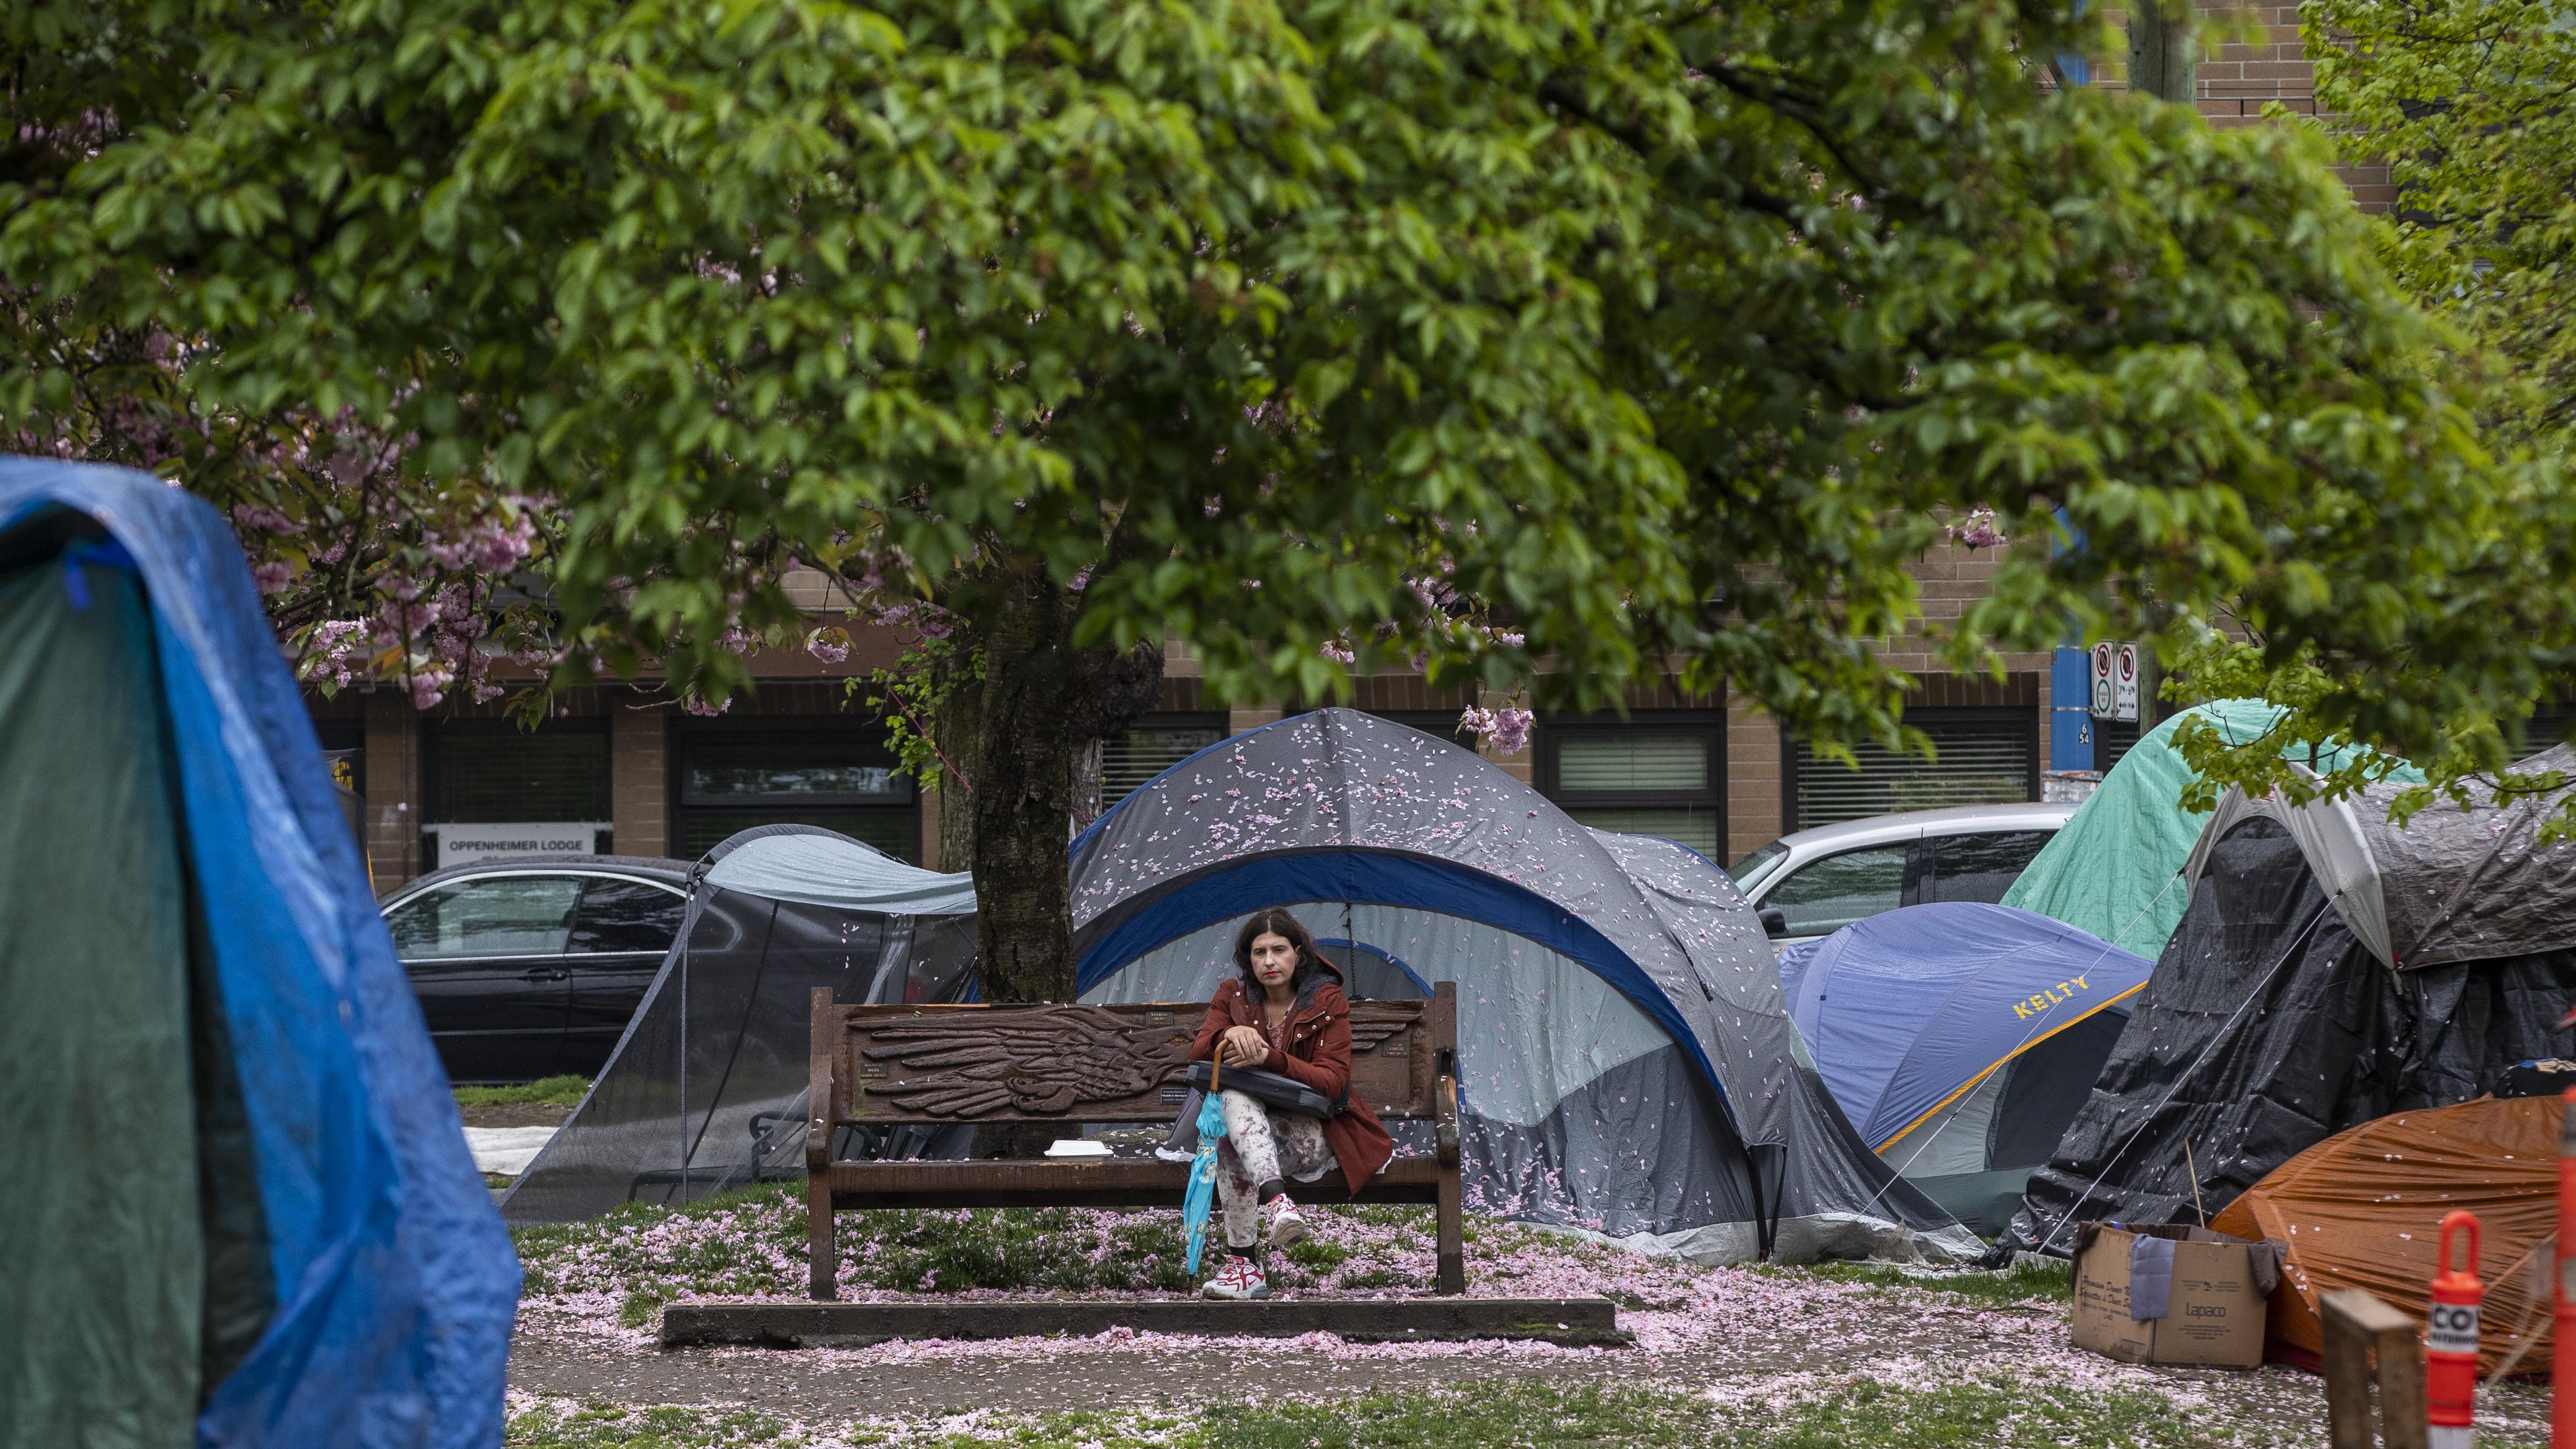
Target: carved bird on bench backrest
point(1374, 1021)
point(1043, 1062)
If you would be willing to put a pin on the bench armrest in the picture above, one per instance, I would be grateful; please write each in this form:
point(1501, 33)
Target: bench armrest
point(1446, 1133)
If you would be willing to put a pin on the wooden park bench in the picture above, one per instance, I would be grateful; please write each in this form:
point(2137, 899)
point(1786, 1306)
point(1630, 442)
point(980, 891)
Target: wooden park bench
point(876, 1066)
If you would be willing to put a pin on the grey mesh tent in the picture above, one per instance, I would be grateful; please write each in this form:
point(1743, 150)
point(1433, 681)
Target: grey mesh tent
point(706, 1090)
point(1622, 1034)
point(2331, 968)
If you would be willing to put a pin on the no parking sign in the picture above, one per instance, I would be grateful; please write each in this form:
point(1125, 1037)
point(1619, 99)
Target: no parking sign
point(2115, 681)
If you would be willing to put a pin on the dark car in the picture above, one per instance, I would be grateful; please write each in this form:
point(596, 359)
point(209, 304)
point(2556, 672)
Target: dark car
point(530, 968)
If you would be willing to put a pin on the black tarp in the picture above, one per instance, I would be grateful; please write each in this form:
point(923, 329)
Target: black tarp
point(2267, 1027)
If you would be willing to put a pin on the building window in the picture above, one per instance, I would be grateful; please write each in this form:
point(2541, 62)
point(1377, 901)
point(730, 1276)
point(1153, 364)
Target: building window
point(1131, 757)
point(840, 775)
point(1652, 776)
point(2547, 727)
point(1986, 757)
point(491, 770)
point(2114, 738)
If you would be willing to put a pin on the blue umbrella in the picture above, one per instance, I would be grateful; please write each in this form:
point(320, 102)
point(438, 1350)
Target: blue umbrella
point(1200, 1199)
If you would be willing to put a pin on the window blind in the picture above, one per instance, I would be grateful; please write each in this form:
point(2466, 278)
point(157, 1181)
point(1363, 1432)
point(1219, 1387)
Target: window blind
point(1696, 828)
point(2113, 738)
point(505, 777)
point(1587, 762)
point(1130, 758)
point(1982, 762)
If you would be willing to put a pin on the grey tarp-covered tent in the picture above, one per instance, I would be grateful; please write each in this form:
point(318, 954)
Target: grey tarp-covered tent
point(2331, 968)
point(706, 1090)
point(1622, 1033)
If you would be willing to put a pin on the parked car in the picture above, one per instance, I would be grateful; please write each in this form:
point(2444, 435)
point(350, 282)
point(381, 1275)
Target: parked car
point(530, 968)
point(1816, 882)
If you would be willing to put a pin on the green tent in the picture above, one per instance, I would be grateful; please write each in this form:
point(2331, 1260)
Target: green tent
point(2115, 868)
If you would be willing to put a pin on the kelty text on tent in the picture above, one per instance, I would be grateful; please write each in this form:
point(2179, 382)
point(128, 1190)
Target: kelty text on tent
point(2063, 991)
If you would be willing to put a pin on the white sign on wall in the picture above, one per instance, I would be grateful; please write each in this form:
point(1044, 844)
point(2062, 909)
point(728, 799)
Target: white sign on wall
point(465, 843)
point(2115, 681)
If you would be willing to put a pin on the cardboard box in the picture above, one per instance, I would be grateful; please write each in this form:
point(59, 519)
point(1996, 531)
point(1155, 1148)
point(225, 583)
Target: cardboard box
point(2213, 1311)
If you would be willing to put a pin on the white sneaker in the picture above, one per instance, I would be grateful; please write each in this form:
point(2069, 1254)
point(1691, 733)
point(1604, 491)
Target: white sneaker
point(1287, 1225)
point(1239, 1278)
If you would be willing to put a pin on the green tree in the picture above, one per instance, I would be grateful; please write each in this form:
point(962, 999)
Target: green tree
point(2465, 101)
point(1550, 344)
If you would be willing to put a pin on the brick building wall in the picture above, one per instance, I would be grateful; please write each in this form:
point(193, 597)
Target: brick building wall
point(2248, 73)
point(1950, 579)
point(639, 777)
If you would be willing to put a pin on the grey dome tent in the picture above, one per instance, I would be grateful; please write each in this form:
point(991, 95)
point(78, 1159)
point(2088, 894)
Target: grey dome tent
point(2330, 969)
point(706, 1089)
point(1622, 1034)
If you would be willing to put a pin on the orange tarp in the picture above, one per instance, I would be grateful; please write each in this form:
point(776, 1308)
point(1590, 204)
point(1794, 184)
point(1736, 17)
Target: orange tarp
point(2363, 1209)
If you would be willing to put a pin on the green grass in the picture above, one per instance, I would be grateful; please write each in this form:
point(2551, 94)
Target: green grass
point(751, 1242)
point(1990, 1413)
point(2050, 1281)
point(564, 1091)
point(1318, 1257)
point(602, 1427)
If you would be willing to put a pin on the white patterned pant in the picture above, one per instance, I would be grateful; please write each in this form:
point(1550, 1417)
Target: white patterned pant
point(1262, 1146)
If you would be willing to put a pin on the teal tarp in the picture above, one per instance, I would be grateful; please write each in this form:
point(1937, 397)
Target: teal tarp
point(2114, 869)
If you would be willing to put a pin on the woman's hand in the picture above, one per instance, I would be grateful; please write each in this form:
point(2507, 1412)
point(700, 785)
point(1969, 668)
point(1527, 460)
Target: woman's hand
point(1243, 1046)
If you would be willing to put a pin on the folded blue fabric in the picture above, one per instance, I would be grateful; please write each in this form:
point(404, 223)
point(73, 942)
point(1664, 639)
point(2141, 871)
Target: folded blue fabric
point(2150, 1277)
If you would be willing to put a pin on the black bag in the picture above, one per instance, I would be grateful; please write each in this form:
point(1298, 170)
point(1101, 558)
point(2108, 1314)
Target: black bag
point(1285, 1093)
point(2545, 1078)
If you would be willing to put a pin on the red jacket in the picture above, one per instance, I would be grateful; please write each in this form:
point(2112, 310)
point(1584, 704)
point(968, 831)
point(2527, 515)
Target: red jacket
point(1314, 1046)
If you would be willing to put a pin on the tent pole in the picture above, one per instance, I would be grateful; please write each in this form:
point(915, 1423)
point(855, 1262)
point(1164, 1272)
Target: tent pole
point(681, 1121)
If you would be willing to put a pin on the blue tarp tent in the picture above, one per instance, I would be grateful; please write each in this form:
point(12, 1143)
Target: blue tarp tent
point(1961, 1038)
point(244, 1212)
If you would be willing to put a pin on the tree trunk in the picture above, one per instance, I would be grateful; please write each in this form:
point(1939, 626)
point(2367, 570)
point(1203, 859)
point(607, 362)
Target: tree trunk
point(1041, 703)
point(1023, 801)
point(1088, 757)
point(954, 729)
point(2164, 61)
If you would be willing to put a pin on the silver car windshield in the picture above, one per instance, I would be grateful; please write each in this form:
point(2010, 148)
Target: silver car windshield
point(1754, 867)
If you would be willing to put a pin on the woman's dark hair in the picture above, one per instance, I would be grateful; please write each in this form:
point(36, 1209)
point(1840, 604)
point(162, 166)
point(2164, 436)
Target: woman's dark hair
point(1275, 922)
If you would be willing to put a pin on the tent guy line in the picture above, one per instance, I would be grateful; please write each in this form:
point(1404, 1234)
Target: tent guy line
point(2288, 953)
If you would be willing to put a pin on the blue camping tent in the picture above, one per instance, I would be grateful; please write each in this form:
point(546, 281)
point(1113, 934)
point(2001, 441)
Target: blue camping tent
point(279, 1238)
point(1622, 1037)
point(1961, 1038)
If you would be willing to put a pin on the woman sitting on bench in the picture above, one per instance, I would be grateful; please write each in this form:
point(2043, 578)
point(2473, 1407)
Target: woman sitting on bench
point(1284, 1013)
